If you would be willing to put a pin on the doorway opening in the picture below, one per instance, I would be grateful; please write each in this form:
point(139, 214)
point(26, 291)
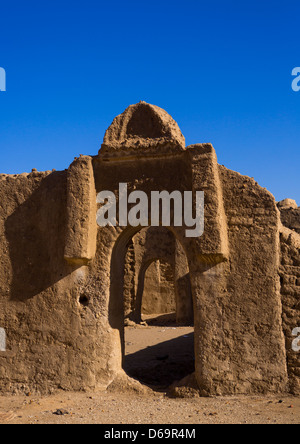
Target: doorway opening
point(157, 350)
point(159, 355)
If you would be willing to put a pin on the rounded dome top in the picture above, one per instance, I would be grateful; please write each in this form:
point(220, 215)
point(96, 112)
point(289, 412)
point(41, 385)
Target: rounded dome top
point(144, 128)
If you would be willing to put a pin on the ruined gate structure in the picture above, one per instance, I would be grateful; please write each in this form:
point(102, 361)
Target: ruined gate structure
point(66, 284)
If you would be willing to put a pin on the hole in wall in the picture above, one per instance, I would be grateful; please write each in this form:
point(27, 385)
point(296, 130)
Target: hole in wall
point(84, 300)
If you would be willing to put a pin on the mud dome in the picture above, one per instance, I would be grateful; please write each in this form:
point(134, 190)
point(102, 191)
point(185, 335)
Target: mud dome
point(67, 286)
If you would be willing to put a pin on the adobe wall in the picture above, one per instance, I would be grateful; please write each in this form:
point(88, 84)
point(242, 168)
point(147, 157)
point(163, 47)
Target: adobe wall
point(290, 293)
point(39, 309)
point(253, 306)
point(290, 214)
point(56, 322)
point(291, 219)
point(290, 284)
point(62, 279)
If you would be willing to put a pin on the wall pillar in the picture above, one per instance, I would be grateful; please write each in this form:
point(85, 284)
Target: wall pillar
point(81, 232)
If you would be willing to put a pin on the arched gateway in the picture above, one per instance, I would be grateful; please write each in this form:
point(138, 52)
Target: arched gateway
point(62, 290)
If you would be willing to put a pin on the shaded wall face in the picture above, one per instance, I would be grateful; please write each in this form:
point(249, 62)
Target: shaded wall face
point(129, 291)
point(290, 294)
point(33, 220)
point(144, 175)
point(290, 218)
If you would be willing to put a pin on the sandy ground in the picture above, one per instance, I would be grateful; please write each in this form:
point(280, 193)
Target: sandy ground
point(159, 354)
point(113, 408)
point(156, 355)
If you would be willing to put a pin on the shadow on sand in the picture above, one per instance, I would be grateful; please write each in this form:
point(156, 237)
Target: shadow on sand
point(160, 365)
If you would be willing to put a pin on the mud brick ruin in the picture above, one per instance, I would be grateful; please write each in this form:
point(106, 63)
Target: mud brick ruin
point(68, 286)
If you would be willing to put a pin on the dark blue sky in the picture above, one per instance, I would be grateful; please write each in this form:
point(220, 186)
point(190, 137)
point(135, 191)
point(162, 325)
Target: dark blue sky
point(222, 69)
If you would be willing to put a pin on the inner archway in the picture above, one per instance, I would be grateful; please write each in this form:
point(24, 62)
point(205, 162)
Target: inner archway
point(159, 298)
point(158, 351)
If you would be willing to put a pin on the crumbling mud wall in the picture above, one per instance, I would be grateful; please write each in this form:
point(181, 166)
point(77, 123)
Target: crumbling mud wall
point(39, 310)
point(56, 333)
point(66, 285)
point(290, 214)
point(290, 286)
point(290, 294)
point(129, 294)
point(248, 296)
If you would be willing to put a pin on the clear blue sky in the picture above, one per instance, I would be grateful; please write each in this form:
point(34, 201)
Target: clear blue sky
point(221, 68)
